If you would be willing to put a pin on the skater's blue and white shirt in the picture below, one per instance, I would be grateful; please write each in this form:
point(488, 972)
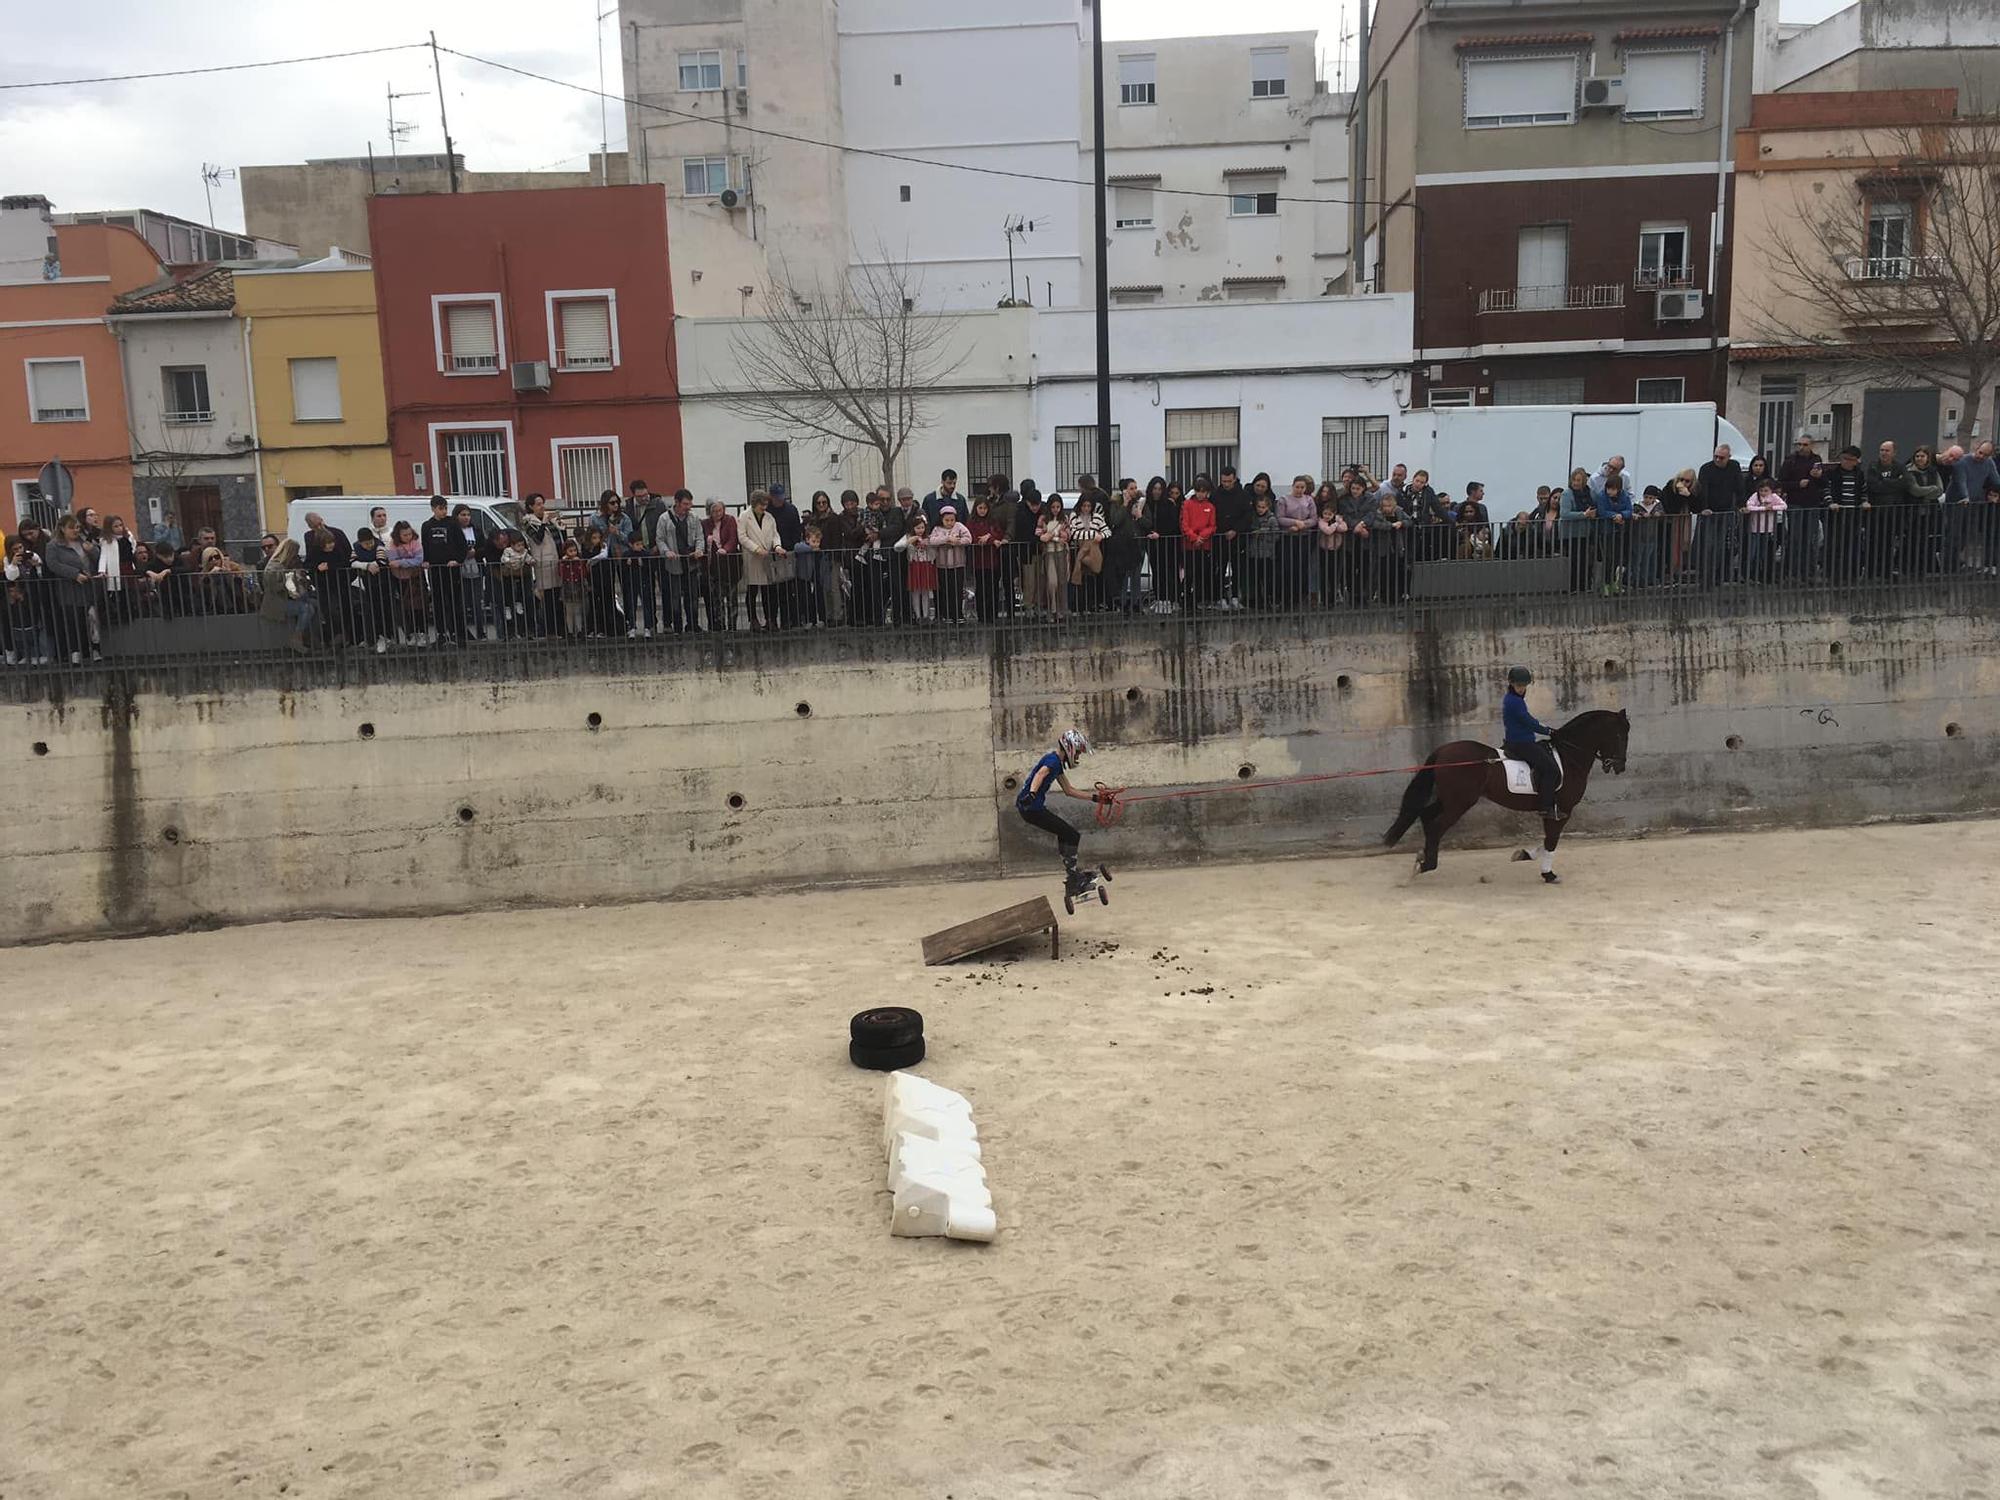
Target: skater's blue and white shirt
point(1034, 794)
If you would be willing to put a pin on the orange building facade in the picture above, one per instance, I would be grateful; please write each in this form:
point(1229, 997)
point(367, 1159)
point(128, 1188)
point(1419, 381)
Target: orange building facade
point(62, 389)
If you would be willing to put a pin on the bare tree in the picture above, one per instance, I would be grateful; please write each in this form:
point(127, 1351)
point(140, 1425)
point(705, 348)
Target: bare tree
point(1906, 297)
point(854, 361)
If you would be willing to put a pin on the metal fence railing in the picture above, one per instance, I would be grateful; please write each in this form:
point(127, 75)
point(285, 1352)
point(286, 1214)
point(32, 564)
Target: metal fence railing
point(232, 614)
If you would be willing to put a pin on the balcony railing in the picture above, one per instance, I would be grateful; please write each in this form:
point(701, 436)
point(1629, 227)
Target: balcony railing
point(1894, 267)
point(481, 364)
point(1551, 298)
point(189, 418)
point(1670, 277)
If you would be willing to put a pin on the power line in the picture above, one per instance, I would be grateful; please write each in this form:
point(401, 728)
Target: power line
point(686, 116)
point(273, 62)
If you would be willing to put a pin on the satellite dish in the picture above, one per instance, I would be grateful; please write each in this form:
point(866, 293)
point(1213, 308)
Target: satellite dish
point(729, 198)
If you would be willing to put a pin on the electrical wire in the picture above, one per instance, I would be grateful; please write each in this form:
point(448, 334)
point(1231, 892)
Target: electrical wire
point(271, 62)
point(681, 115)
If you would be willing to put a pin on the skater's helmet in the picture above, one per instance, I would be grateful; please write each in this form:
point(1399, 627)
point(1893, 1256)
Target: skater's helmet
point(1073, 746)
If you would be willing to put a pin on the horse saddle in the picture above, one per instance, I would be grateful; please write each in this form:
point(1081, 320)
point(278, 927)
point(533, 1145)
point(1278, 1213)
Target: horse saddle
point(1521, 776)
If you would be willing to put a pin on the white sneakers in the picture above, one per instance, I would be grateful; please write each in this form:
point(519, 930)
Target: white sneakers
point(936, 1178)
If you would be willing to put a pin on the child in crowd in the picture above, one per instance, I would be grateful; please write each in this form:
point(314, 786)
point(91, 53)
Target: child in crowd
point(923, 571)
point(1765, 505)
point(574, 575)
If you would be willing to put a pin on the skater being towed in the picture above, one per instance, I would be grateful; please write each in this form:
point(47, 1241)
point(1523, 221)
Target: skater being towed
point(1050, 774)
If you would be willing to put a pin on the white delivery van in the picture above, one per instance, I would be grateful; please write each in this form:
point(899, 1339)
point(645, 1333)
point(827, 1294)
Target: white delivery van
point(348, 513)
point(1514, 449)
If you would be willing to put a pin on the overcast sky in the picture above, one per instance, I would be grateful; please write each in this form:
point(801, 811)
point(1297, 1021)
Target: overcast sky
point(143, 144)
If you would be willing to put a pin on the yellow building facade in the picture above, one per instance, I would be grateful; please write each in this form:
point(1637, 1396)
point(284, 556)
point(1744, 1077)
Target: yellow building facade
point(316, 373)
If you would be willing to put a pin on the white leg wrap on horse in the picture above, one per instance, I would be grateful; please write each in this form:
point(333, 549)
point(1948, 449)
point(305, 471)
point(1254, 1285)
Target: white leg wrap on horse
point(1548, 859)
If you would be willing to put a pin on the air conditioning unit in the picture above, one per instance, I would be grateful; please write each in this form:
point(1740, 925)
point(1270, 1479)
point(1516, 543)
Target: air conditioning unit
point(1677, 306)
point(1604, 93)
point(531, 374)
point(743, 101)
point(729, 198)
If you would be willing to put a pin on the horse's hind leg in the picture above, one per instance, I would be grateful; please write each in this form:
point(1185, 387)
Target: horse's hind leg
point(1438, 818)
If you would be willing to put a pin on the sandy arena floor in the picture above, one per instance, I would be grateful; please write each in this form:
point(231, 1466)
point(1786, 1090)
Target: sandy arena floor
point(1676, 1180)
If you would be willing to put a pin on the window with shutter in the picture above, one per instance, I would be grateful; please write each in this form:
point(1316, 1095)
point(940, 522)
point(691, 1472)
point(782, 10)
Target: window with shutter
point(1136, 78)
point(1132, 207)
point(1520, 91)
point(1195, 427)
point(315, 390)
point(586, 334)
point(1665, 85)
point(55, 388)
point(474, 343)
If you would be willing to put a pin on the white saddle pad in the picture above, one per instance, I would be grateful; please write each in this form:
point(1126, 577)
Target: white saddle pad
point(1521, 777)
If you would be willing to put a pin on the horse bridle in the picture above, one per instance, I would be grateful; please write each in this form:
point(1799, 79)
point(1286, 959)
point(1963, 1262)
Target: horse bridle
point(1602, 757)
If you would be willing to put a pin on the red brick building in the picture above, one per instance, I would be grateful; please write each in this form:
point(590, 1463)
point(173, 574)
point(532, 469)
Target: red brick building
point(527, 341)
point(1553, 183)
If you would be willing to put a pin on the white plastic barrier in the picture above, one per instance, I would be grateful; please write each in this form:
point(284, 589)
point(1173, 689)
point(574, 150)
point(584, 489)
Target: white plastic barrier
point(936, 1177)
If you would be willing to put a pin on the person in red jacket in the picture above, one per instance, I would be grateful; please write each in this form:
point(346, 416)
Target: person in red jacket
point(1198, 538)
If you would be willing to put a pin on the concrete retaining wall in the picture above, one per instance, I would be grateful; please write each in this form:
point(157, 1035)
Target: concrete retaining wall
point(454, 783)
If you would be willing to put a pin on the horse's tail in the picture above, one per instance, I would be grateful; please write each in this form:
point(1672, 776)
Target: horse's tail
point(1416, 797)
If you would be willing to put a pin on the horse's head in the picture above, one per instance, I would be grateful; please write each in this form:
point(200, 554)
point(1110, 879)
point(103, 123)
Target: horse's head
point(1602, 735)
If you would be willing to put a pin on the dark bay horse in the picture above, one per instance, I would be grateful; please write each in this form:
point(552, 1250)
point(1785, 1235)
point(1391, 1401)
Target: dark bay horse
point(1457, 775)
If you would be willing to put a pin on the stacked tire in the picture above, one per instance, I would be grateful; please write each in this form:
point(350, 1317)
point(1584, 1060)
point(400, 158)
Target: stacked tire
point(886, 1039)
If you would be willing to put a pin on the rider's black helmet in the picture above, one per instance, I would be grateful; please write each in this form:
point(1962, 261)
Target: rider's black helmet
point(1519, 677)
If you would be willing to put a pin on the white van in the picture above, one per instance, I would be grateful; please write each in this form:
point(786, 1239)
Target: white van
point(348, 513)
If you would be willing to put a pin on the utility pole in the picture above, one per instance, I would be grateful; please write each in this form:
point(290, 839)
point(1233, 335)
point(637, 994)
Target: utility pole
point(1358, 234)
point(444, 121)
point(1105, 478)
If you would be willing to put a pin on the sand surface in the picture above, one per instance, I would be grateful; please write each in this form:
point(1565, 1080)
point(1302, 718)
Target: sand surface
point(1676, 1180)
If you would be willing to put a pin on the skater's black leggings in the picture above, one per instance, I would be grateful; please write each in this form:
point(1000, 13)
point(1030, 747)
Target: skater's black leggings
point(1067, 838)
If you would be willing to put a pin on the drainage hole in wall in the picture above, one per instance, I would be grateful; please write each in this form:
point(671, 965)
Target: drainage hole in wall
point(1953, 731)
point(1343, 682)
point(1011, 783)
point(594, 721)
point(1610, 665)
point(367, 731)
point(1245, 771)
point(1734, 742)
point(736, 802)
point(171, 834)
point(803, 710)
point(41, 747)
point(1131, 695)
point(1833, 649)
point(465, 815)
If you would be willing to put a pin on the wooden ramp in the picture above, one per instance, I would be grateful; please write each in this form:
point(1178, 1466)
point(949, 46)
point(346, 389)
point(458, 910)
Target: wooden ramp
point(993, 929)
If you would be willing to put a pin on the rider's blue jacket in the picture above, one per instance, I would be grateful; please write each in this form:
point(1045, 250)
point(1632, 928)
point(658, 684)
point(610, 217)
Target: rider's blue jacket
point(1521, 726)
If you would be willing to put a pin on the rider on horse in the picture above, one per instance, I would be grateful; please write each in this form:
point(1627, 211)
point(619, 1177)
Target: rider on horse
point(1524, 738)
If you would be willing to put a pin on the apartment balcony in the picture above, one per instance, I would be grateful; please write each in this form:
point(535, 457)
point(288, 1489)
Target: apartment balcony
point(1545, 299)
point(1893, 268)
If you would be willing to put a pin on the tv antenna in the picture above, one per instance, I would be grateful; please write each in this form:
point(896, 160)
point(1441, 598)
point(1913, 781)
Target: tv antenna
point(212, 177)
point(1015, 228)
point(400, 132)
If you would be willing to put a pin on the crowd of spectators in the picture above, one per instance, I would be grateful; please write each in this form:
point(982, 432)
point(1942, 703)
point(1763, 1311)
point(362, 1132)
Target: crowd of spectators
point(643, 564)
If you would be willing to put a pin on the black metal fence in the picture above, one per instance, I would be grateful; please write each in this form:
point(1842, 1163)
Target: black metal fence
point(228, 614)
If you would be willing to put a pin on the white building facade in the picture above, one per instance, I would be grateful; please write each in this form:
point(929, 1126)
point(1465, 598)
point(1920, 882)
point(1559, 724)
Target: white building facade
point(1022, 400)
point(964, 136)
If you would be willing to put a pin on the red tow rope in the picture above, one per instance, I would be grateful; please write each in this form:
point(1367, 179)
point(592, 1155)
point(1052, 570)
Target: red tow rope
point(1113, 800)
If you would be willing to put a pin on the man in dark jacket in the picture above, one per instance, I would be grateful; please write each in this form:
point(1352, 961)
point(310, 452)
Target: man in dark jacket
point(445, 550)
point(791, 532)
point(1846, 494)
point(1233, 514)
point(945, 494)
point(1430, 516)
point(1718, 496)
point(1802, 481)
point(649, 579)
point(1887, 483)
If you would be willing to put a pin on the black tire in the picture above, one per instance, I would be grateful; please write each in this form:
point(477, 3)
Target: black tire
point(1103, 896)
point(886, 1059)
point(1069, 903)
point(1104, 874)
point(886, 1026)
